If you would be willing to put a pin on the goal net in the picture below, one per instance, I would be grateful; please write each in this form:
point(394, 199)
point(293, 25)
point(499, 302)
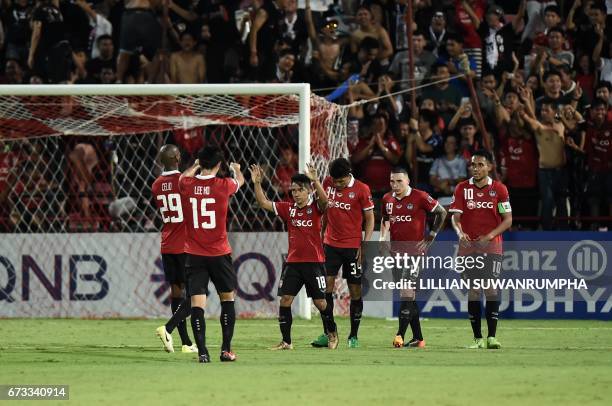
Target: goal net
point(80, 231)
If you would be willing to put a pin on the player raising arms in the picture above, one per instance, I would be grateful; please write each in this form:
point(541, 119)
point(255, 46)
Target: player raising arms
point(305, 260)
point(168, 200)
point(350, 201)
point(481, 213)
point(404, 215)
point(208, 250)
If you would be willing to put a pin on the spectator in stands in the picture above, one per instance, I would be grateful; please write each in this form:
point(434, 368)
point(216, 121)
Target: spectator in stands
point(13, 73)
point(294, 27)
point(187, 65)
point(285, 169)
point(17, 26)
point(499, 38)
point(425, 144)
point(284, 70)
point(376, 154)
point(585, 75)
point(471, 140)
point(447, 171)
point(267, 28)
point(552, 176)
point(105, 59)
point(365, 64)
point(599, 159)
point(100, 27)
point(326, 54)
point(140, 37)
point(604, 65)
point(367, 28)
point(541, 16)
point(458, 63)
point(603, 91)
point(552, 91)
point(50, 54)
point(468, 17)
point(437, 34)
point(446, 95)
point(553, 56)
point(423, 61)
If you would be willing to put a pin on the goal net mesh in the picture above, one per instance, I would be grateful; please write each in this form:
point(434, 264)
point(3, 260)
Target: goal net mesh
point(80, 227)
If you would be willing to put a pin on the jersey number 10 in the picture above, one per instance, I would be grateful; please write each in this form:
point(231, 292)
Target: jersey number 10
point(468, 194)
point(208, 215)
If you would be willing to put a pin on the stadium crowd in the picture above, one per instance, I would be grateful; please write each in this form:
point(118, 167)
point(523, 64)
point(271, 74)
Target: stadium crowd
point(541, 72)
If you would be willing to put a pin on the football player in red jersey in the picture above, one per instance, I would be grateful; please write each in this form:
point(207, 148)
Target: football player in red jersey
point(208, 251)
point(305, 261)
point(481, 213)
point(168, 200)
point(349, 203)
point(404, 216)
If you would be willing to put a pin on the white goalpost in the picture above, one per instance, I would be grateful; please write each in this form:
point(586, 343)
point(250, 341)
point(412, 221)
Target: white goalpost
point(80, 234)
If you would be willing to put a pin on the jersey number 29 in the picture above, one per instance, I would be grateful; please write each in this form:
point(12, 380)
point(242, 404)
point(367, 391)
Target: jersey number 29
point(207, 215)
point(171, 202)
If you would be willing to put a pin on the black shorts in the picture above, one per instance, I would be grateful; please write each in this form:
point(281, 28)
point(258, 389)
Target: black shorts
point(297, 274)
point(347, 259)
point(174, 268)
point(484, 266)
point(200, 270)
point(140, 32)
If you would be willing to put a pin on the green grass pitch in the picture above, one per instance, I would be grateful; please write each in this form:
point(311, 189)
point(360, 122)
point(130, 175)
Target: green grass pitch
point(117, 362)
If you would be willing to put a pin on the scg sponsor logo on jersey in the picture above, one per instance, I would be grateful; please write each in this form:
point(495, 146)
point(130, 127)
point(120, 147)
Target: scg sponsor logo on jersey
point(400, 219)
point(479, 205)
point(339, 205)
point(301, 223)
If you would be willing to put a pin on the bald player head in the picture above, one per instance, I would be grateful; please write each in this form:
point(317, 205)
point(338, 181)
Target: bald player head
point(170, 156)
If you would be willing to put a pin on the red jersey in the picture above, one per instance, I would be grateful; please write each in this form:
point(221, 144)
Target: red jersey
point(168, 200)
point(598, 148)
point(481, 209)
point(303, 230)
point(207, 200)
point(407, 216)
point(471, 39)
point(345, 213)
point(519, 156)
point(375, 170)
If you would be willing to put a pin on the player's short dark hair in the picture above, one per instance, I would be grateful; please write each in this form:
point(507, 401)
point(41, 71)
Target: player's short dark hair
point(369, 43)
point(550, 73)
point(602, 84)
point(556, 29)
point(484, 153)
point(301, 179)
point(466, 121)
point(339, 168)
point(285, 52)
point(400, 169)
point(420, 33)
point(210, 156)
point(553, 9)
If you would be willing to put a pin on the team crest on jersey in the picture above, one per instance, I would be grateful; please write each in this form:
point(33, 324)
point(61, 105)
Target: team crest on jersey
point(309, 211)
point(492, 193)
point(339, 194)
point(300, 214)
point(480, 194)
point(351, 195)
point(409, 206)
point(399, 206)
point(471, 204)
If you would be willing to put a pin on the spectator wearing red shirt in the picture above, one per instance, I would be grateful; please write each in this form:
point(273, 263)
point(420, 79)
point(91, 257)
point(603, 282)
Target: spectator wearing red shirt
point(599, 158)
point(376, 154)
point(286, 168)
point(466, 11)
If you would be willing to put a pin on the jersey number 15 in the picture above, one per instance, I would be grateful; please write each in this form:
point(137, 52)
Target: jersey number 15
point(208, 215)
